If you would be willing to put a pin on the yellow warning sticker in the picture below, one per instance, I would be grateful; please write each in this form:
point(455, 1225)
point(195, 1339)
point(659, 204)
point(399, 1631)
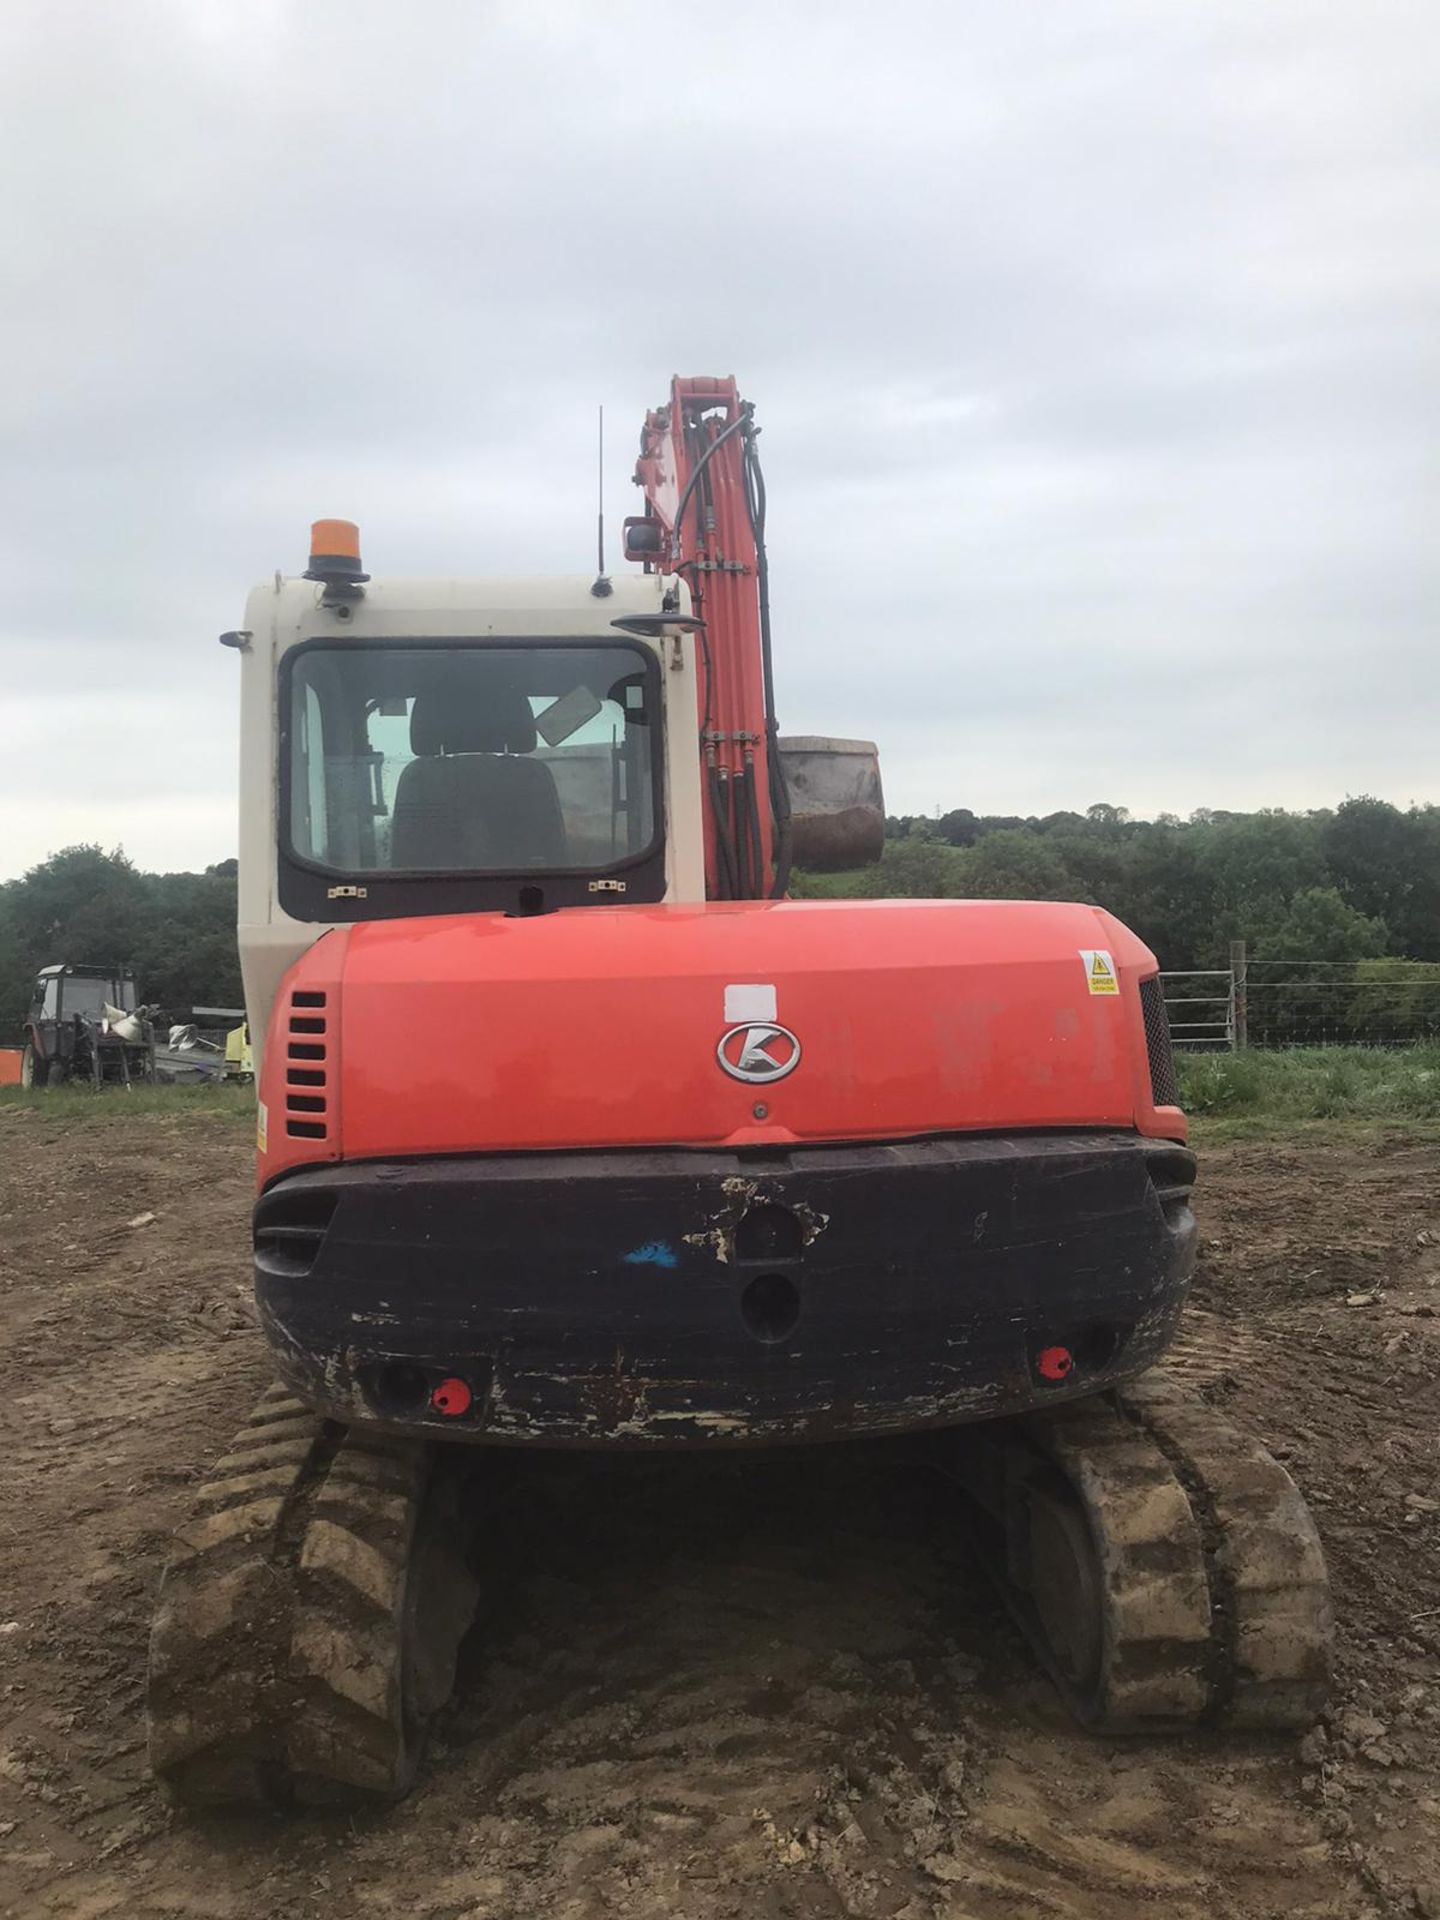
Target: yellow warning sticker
point(262, 1125)
point(1100, 974)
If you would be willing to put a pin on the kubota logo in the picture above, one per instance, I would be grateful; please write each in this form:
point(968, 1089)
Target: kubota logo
point(760, 1051)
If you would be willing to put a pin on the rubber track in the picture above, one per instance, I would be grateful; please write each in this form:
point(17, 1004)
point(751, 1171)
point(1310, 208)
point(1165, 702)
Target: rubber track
point(1217, 1603)
point(1270, 1589)
point(219, 1641)
point(1154, 1670)
point(279, 1666)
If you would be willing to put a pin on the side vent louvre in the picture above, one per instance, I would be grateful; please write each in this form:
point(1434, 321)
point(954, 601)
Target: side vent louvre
point(1172, 1174)
point(1164, 1087)
point(290, 1226)
point(309, 1089)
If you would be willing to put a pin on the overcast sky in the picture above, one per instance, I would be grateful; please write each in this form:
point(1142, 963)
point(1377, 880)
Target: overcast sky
point(1095, 346)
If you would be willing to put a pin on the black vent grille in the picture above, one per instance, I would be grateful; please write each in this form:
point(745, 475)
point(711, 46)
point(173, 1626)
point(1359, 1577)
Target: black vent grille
point(1164, 1087)
point(290, 1226)
point(307, 1067)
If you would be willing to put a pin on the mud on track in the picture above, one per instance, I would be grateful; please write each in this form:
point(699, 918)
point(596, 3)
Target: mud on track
point(767, 1687)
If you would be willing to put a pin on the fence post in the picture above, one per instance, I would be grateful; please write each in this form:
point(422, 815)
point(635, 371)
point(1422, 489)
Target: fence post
point(1239, 982)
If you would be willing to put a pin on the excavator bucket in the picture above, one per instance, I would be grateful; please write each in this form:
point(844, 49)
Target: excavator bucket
point(837, 807)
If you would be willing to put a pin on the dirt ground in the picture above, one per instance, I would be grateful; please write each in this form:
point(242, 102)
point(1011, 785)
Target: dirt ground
point(767, 1687)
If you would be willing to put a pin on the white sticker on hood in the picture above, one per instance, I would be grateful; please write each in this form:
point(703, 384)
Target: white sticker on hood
point(750, 1003)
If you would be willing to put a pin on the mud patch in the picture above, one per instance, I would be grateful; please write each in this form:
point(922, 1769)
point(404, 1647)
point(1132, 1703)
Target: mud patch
point(767, 1686)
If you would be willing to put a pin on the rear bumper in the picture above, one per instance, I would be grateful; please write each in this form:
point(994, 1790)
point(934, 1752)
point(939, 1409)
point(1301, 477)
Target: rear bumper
point(606, 1299)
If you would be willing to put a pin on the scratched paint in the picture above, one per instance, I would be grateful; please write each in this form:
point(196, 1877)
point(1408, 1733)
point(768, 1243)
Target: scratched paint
point(617, 1407)
point(742, 1195)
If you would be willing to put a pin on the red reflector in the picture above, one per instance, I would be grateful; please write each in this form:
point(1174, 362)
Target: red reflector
point(451, 1397)
point(1054, 1363)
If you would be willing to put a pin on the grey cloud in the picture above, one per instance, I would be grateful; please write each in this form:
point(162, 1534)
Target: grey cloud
point(1095, 349)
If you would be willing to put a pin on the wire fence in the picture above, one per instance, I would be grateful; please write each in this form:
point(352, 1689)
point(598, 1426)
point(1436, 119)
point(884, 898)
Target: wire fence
point(1375, 1003)
point(1303, 1002)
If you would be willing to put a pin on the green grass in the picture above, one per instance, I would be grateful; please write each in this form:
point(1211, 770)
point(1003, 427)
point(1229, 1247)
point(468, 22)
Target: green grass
point(1228, 1095)
point(82, 1106)
point(1311, 1088)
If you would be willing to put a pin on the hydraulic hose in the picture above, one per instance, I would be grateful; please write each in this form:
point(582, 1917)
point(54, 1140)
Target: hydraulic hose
point(752, 828)
point(748, 827)
point(779, 793)
point(735, 426)
point(744, 874)
point(724, 851)
point(738, 833)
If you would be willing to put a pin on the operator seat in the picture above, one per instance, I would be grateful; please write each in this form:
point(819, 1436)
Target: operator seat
point(465, 802)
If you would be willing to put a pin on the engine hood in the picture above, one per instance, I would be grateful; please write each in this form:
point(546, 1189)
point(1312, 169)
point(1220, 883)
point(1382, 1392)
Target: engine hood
point(741, 1025)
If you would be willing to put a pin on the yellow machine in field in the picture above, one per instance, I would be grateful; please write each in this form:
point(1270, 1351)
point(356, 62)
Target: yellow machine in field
point(239, 1060)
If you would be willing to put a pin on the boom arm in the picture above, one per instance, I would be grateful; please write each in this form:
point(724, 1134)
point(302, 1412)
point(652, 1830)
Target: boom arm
point(705, 519)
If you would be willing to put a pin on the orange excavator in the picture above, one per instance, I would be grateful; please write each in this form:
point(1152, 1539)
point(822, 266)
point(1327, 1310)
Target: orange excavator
point(575, 1131)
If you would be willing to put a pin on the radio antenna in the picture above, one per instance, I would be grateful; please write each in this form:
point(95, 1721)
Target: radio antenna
point(602, 586)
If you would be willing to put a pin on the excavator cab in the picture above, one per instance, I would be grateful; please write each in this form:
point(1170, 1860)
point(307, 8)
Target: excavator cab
point(534, 766)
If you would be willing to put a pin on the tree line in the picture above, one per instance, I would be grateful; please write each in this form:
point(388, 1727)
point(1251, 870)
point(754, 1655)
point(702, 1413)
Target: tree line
point(1356, 882)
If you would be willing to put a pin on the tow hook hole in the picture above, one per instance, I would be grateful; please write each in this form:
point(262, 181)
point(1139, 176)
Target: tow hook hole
point(397, 1387)
point(1098, 1344)
point(769, 1232)
point(770, 1306)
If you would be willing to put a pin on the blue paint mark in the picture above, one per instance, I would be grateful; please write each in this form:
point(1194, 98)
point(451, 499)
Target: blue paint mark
point(655, 1253)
